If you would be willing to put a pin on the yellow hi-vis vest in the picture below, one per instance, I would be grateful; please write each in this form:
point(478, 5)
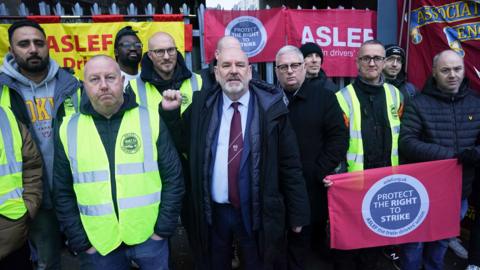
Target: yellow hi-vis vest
point(71, 104)
point(351, 108)
point(12, 205)
point(138, 183)
point(147, 95)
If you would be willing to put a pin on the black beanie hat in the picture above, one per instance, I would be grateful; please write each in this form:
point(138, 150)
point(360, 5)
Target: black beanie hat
point(393, 49)
point(125, 31)
point(311, 47)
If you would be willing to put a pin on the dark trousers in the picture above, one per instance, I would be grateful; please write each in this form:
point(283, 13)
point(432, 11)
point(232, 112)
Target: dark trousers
point(474, 248)
point(356, 259)
point(298, 245)
point(18, 259)
point(226, 224)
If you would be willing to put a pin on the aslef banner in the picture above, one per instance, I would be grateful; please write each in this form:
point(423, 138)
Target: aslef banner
point(339, 33)
point(72, 44)
point(437, 25)
point(387, 206)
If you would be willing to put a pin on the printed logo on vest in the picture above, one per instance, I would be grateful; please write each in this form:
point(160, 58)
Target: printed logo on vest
point(130, 143)
point(185, 100)
point(394, 111)
point(395, 205)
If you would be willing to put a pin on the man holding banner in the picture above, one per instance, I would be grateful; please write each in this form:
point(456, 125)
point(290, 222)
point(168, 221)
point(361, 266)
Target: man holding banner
point(372, 110)
point(442, 122)
point(38, 86)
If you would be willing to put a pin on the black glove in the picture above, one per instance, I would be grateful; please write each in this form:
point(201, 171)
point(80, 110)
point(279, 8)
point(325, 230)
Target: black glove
point(469, 157)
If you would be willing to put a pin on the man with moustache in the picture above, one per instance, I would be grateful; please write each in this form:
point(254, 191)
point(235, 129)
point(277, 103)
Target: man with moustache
point(442, 122)
point(372, 109)
point(128, 53)
point(118, 180)
point(313, 55)
point(39, 93)
point(163, 68)
point(394, 71)
point(245, 172)
point(322, 138)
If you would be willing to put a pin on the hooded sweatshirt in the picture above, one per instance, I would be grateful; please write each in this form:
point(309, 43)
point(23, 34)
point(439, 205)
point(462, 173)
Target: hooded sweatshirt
point(39, 101)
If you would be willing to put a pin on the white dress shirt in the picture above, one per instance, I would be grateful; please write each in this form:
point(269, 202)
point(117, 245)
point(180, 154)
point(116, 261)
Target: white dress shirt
point(219, 187)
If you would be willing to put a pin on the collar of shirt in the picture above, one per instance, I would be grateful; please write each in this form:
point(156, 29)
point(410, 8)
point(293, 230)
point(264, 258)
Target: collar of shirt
point(244, 100)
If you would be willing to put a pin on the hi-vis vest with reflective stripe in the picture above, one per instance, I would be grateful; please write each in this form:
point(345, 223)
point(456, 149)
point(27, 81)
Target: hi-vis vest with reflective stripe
point(11, 188)
point(149, 96)
point(70, 104)
point(350, 105)
point(138, 183)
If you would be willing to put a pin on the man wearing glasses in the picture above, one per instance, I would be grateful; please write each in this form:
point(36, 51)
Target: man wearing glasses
point(128, 53)
point(372, 111)
point(163, 68)
point(321, 133)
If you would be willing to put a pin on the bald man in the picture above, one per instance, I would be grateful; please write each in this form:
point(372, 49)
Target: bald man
point(109, 176)
point(163, 68)
point(442, 123)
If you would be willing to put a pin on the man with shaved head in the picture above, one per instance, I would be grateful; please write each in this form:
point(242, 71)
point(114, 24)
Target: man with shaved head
point(163, 68)
point(117, 192)
point(442, 122)
point(245, 178)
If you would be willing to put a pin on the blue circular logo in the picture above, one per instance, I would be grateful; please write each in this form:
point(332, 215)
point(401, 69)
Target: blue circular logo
point(250, 32)
point(395, 205)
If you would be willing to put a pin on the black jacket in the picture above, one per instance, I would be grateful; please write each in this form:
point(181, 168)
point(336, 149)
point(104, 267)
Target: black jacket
point(437, 126)
point(180, 74)
point(407, 89)
point(279, 197)
point(322, 138)
point(168, 165)
point(377, 142)
point(325, 82)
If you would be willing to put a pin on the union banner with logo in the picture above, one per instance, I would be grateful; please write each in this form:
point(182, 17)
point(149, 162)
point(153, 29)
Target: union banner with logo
point(72, 44)
point(386, 206)
point(437, 25)
point(261, 32)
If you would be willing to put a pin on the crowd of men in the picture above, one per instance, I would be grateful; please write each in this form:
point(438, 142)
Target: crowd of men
point(113, 162)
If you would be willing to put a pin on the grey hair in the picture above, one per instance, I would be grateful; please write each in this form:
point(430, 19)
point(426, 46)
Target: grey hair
point(287, 49)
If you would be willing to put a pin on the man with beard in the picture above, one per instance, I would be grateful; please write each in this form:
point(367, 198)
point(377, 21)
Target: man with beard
point(394, 71)
point(245, 173)
point(313, 55)
point(128, 53)
point(39, 93)
point(163, 68)
point(322, 138)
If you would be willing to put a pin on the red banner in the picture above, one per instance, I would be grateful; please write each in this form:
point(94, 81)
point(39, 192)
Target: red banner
point(261, 32)
point(395, 205)
point(437, 25)
point(338, 32)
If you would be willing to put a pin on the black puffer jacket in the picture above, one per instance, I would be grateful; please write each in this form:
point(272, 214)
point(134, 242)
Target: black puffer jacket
point(438, 126)
point(168, 165)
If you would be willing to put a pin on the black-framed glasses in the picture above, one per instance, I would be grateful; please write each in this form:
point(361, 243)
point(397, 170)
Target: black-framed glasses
point(128, 45)
point(294, 66)
point(161, 52)
point(366, 59)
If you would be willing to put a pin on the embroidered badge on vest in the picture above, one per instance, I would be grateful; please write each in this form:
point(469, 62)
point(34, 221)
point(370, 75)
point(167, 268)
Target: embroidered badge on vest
point(130, 143)
point(393, 111)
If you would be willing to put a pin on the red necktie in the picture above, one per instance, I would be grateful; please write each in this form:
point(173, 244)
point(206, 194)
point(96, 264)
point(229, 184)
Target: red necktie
point(235, 147)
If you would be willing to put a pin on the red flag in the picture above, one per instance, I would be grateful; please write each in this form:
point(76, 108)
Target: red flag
point(410, 203)
point(437, 25)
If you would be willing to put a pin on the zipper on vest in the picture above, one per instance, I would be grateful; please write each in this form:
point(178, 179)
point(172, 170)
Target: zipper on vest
point(455, 125)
